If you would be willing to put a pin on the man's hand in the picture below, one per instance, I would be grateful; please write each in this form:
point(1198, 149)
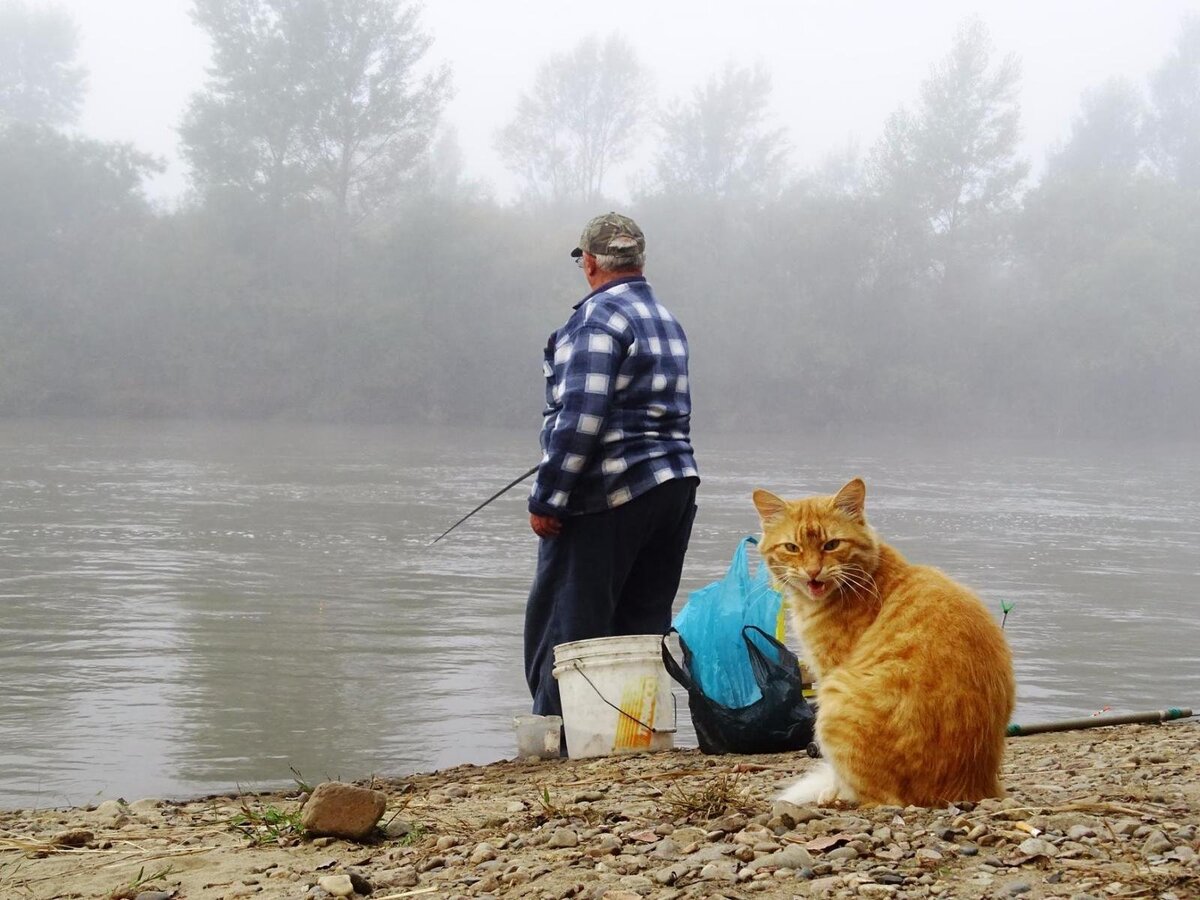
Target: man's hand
point(545, 526)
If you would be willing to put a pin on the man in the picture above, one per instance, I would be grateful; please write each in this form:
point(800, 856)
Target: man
point(614, 498)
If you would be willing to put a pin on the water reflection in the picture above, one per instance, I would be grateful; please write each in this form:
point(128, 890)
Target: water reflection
point(187, 608)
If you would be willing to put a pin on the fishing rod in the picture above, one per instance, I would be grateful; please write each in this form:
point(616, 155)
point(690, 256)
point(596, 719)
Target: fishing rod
point(1153, 716)
point(512, 484)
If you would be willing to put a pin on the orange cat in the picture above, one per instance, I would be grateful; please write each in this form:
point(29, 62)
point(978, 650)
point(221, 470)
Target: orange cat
point(915, 683)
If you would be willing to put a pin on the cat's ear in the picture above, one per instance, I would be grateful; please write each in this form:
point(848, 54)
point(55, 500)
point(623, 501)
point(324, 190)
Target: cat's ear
point(770, 508)
point(852, 499)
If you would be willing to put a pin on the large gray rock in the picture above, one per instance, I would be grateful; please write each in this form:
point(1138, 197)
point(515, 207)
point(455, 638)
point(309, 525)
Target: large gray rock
point(342, 810)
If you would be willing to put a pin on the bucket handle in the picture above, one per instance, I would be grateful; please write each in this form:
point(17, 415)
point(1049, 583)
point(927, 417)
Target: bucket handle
point(674, 703)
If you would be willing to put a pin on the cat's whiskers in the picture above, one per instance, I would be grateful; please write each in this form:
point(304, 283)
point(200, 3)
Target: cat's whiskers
point(859, 581)
point(783, 574)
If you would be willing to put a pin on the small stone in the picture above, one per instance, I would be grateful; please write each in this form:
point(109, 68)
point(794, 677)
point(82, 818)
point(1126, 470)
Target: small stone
point(665, 849)
point(154, 895)
point(799, 815)
point(1014, 888)
point(397, 828)
point(515, 806)
point(456, 790)
point(1183, 853)
point(1156, 844)
point(336, 885)
point(113, 813)
point(76, 837)
point(792, 856)
point(1037, 847)
point(606, 845)
point(482, 853)
point(722, 871)
point(563, 837)
point(343, 810)
point(729, 824)
point(405, 876)
point(1079, 832)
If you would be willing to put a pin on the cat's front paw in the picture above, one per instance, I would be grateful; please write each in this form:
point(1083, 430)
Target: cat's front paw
point(818, 786)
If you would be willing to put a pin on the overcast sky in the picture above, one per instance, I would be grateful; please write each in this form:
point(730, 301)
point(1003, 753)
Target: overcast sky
point(839, 68)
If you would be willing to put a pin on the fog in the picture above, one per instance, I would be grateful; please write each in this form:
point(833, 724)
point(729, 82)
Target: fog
point(933, 217)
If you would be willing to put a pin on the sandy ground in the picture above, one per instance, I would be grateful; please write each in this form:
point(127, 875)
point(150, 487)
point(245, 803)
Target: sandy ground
point(1103, 813)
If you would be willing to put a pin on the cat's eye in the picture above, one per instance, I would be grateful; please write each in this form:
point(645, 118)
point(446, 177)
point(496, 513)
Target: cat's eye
point(791, 548)
point(831, 544)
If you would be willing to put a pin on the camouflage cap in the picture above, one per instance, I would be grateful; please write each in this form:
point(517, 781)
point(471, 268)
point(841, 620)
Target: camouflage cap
point(611, 234)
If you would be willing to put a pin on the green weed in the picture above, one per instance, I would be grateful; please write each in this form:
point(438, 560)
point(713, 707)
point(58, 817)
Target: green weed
point(140, 881)
point(267, 825)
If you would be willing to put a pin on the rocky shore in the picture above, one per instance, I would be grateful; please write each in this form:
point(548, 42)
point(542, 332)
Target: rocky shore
point(1103, 813)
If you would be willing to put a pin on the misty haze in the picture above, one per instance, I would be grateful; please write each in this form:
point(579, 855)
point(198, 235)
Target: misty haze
point(248, 371)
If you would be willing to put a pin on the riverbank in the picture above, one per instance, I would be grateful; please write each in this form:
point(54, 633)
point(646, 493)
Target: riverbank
point(1104, 813)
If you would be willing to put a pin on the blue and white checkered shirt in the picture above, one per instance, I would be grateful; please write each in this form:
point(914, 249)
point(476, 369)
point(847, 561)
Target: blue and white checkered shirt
point(618, 406)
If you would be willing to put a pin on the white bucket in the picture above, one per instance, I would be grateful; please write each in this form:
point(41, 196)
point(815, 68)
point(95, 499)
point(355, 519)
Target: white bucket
point(616, 695)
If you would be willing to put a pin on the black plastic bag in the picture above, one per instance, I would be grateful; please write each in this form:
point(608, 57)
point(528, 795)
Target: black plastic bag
point(781, 720)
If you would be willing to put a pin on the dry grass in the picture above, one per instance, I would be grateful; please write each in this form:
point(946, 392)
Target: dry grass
point(718, 796)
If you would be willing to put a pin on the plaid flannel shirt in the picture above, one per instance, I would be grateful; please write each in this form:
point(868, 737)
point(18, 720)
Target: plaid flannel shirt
point(618, 406)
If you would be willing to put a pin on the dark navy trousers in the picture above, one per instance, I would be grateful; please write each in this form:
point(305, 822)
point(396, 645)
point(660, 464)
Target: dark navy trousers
point(608, 573)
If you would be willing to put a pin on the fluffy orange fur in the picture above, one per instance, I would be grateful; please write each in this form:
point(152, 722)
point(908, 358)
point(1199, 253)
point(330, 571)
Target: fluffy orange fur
point(914, 678)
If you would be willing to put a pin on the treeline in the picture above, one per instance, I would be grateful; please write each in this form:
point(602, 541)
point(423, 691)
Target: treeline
point(335, 261)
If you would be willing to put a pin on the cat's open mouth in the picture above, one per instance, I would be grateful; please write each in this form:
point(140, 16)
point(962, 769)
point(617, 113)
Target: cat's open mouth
point(817, 589)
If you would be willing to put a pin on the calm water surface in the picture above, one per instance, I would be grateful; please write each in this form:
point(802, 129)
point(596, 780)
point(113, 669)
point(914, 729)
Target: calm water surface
point(186, 608)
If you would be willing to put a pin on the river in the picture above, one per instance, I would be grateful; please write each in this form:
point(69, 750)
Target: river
point(187, 607)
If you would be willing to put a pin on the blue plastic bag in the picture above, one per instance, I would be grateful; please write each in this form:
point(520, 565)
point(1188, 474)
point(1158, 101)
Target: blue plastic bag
point(712, 621)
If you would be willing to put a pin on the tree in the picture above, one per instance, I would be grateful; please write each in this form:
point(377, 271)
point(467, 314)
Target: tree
point(718, 144)
point(1107, 137)
point(949, 169)
point(40, 83)
point(316, 100)
point(1175, 92)
point(578, 121)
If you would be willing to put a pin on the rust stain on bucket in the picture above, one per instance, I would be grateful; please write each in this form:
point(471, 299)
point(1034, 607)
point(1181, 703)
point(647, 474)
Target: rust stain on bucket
point(638, 701)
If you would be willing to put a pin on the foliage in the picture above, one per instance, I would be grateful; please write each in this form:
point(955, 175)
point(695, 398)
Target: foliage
point(267, 825)
point(318, 101)
point(1175, 91)
point(924, 285)
point(579, 120)
point(141, 882)
point(947, 171)
point(717, 144)
point(40, 82)
point(717, 796)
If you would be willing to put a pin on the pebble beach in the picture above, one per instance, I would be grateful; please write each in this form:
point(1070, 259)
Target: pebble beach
point(1102, 813)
